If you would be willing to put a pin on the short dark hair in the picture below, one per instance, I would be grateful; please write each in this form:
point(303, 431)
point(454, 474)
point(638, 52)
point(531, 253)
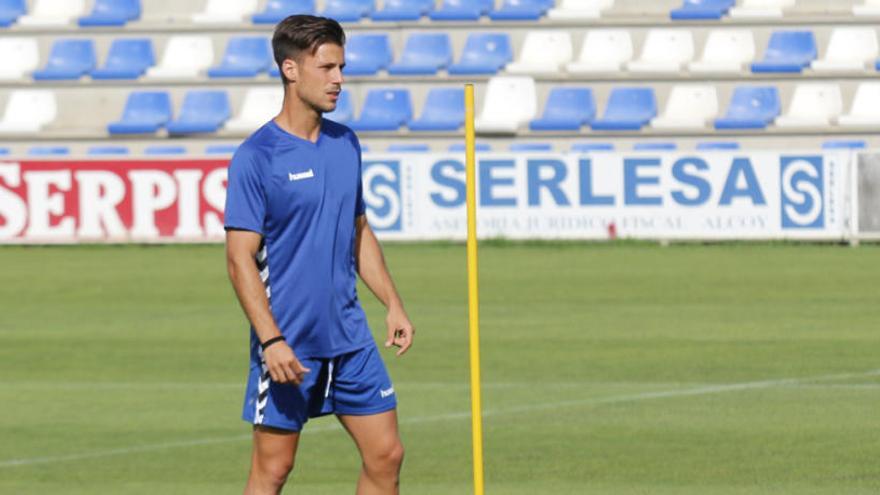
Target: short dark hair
point(299, 33)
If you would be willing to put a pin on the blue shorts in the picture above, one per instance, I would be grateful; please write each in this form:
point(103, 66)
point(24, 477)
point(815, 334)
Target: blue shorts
point(355, 383)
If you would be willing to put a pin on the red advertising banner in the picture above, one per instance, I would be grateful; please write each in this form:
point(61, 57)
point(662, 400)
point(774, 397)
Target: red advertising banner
point(112, 201)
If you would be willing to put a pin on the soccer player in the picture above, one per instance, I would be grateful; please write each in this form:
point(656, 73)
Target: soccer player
point(296, 238)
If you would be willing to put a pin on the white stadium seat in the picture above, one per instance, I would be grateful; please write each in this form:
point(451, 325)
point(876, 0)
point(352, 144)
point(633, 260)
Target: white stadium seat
point(871, 8)
point(20, 57)
point(259, 105)
point(761, 8)
point(53, 12)
point(543, 52)
point(865, 110)
point(726, 50)
point(28, 110)
point(184, 56)
point(603, 50)
point(225, 11)
point(849, 49)
point(579, 9)
point(689, 106)
point(510, 102)
point(813, 105)
point(665, 50)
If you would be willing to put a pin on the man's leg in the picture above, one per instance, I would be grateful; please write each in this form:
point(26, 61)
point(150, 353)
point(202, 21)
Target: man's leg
point(271, 461)
point(379, 443)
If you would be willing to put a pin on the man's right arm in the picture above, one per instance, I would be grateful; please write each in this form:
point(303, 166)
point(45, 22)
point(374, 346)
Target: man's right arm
point(241, 250)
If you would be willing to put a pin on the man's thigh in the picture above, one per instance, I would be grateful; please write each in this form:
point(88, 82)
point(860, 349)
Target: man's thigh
point(373, 434)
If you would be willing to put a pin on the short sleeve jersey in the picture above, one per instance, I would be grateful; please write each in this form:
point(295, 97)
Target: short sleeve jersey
point(303, 198)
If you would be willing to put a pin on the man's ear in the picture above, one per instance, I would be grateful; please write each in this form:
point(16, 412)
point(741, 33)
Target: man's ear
point(289, 69)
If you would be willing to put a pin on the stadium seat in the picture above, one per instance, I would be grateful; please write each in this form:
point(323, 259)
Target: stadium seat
point(221, 149)
point(225, 11)
point(628, 109)
point(484, 53)
point(461, 10)
point(107, 150)
point(726, 50)
point(20, 57)
point(277, 10)
point(509, 102)
point(521, 10)
point(717, 146)
point(28, 110)
point(384, 110)
point(245, 56)
point(844, 144)
point(367, 54)
point(543, 52)
point(48, 151)
point(664, 50)
point(145, 112)
point(849, 49)
point(69, 59)
point(4, 151)
point(788, 51)
point(128, 58)
point(689, 106)
point(870, 8)
point(344, 112)
point(52, 12)
point(701, 9)
point(202, 111)
point(403, 10)
point(761, 8)
point(460, 147)
point(750, 108)
point(10, 11)
point(162, 150)
point(579, 9)
point(529, 147)
point(567, 109)
point(257, 108)
point(112, 13)
point(589, 147)
point(184, 57)
point(655, 146)
point(443, 111)
point(603, 50)
point(423, 54)
point(348, 10)
point(865, 109)
point(813, 105)
point(408, 148)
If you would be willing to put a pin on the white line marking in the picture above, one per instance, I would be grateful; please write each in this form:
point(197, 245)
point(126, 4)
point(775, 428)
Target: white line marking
point(663, 394)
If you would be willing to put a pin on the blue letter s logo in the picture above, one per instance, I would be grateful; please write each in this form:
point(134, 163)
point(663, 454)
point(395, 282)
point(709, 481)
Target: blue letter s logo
point(802, 185)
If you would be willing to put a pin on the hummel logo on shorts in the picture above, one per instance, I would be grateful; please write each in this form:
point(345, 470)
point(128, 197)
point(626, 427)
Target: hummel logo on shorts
point(386, 392)
point(308, 174)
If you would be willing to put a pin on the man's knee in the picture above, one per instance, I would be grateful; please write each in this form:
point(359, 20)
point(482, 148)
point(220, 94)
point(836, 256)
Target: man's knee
point(273, 472)
point(386, 460)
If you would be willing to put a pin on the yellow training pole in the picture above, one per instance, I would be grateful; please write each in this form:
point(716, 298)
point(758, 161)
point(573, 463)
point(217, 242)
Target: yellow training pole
point(473, 289)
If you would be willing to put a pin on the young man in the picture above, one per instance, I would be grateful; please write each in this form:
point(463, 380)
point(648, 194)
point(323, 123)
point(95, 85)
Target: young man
point(296, 237)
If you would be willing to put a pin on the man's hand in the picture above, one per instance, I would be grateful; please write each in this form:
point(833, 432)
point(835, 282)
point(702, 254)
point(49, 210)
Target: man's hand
point(283, 365)
point(400, 330)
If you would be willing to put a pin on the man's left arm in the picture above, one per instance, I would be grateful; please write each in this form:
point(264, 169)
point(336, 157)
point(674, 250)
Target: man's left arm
point(372, 269)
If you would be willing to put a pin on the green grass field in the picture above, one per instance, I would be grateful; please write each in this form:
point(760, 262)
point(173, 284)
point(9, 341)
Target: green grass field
point(607, 369)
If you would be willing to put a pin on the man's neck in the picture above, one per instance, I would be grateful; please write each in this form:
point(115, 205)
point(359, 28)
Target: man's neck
point(299, 119)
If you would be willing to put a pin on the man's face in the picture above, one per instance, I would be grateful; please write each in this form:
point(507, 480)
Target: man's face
point(318, 76)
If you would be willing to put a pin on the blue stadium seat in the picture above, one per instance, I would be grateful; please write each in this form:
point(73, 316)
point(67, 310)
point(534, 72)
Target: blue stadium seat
point(717, 145)
point(245, 56)
point(460, 147)
point(751, 108)
point(165, 150)
point(10, 11)
point(877, 65)
point(112, 13)
point(202, 111)
point(424, 54)
point(145, 112)
point(4, 151)
point(344, 109)
point(127, 59)
point(277, 10)
point(408, 148)
point(655, 146)
point(521, 10)
point(526, 147)
point(461, 10)
point(220, 149)
point(48, 151)
point(107, 150)
point(348, 10)
point(567, 109)
point(443, 111)
point(628, 109)
point(484, 53)
point(384, 110)
point(701, 9)
point(69, 59)
point(591, 146)
point(367, 54)
point(837, 144)
point(787, 51)
point(403, 10)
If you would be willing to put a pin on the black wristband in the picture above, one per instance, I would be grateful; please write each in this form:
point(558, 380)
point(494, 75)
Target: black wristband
point(271, 341)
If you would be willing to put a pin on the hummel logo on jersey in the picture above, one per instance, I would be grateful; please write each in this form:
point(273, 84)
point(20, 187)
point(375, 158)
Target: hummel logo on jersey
point(308, 174)
point(386, 392)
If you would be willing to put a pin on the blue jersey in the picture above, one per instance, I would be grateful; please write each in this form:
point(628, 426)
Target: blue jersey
point(303, 198)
